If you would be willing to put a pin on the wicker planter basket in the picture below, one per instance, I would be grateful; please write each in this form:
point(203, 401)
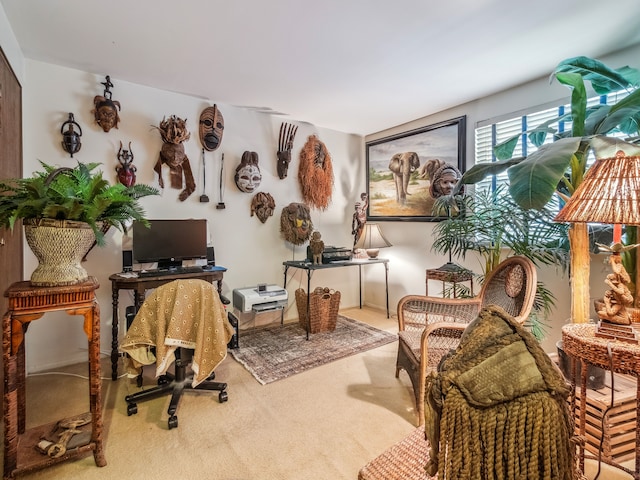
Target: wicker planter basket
point(323, 309)
point(59, 246)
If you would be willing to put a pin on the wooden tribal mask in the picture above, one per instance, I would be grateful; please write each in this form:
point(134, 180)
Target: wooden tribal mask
point(106, 110)
point(211, 128)
point(295, 223)
point(248, 175)
point(262, 205)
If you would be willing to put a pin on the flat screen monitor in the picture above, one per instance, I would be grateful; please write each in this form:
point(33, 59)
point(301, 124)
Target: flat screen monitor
point(169, 242)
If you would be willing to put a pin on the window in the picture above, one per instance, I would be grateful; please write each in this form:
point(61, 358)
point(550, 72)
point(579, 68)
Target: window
point(492, 132)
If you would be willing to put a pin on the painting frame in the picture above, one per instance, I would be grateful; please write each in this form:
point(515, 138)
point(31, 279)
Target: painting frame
point(443, 141)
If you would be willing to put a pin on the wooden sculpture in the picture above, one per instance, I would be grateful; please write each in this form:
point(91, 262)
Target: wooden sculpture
point(174, 132)
point(248, 175)
point(126, 170)
point(262, 205)
point(295, 223)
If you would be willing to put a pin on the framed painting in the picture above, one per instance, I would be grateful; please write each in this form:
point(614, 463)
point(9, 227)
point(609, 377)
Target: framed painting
point(408, 171)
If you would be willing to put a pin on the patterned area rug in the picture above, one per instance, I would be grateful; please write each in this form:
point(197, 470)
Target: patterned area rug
point(277, 352)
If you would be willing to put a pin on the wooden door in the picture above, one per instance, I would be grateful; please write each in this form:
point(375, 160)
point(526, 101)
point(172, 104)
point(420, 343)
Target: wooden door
point(11, 257)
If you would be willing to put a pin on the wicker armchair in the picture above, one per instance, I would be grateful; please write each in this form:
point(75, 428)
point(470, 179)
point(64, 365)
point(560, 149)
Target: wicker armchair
point(430, 327)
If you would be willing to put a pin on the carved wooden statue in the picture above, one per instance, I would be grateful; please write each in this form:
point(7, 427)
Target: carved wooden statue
point(316, 245)
point(173, 132)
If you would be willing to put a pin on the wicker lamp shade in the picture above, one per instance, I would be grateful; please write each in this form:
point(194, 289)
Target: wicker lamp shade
point(609, 193)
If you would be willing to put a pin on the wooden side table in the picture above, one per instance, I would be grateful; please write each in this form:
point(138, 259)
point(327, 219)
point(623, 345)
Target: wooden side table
point(579, 341)
point(449, 273)
point(26, 304)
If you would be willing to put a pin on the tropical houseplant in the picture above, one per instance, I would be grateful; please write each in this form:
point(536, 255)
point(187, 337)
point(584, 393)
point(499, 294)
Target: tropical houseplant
point(490, 225)
point(65, 211)
point(558, 168)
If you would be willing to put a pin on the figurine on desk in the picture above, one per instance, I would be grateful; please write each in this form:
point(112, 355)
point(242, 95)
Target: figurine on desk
point(317, 247)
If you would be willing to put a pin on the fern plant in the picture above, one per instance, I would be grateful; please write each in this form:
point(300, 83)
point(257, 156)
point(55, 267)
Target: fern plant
point(77, 194)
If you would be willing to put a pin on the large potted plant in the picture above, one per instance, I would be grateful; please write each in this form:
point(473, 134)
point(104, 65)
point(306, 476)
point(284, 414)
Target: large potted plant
point(490, 225)
point(65, 211)
point(559, 167)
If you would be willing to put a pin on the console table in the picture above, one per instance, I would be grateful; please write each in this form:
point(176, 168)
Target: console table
point(139, 285)
point(310, 268)
point(579, 341)
point(26, 304)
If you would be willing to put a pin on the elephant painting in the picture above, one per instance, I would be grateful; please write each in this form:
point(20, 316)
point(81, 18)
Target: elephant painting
point(403, 165)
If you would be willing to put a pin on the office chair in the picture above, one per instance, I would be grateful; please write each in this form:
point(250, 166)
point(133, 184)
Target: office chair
point(185, 321)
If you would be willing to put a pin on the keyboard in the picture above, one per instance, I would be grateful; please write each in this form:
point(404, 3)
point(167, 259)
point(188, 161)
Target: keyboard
point(158, 272)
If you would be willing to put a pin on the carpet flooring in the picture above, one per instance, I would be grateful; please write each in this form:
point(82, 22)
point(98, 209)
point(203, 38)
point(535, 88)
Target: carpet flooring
point(276, 352)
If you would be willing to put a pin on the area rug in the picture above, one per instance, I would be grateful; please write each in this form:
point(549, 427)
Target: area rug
point(276, 352)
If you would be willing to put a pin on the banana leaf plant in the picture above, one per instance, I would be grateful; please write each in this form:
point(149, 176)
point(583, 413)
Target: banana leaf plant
point(558, 168)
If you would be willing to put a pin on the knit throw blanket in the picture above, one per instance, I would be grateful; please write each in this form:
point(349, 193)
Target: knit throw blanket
point(497, 409)
point(182, 313)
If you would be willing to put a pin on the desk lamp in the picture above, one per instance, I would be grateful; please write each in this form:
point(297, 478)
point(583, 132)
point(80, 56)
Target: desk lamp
point(610, 193)
point(372, 240)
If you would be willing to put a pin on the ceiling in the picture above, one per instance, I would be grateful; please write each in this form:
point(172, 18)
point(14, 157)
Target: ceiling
point(355, 66)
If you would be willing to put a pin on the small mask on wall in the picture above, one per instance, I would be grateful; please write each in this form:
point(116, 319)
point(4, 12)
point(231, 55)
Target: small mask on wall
point(126, 170)
point(248, 176)
point(262, 205)
point(70, 137)
point(295, 223)
point(285, 145)
point(106, 110)
point(211, 128)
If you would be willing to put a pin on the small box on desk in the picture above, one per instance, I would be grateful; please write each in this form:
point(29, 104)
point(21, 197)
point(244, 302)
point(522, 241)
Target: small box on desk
point(333, 254)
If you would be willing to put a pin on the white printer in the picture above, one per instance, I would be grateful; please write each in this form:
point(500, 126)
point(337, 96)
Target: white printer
point(260, 298)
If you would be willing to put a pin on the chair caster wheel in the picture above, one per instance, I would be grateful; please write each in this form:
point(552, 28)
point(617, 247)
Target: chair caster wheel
point(139, 381)
point(173, 422)
point(212, 376)
point(132, 409)
point(163, 380)
point(223, 397)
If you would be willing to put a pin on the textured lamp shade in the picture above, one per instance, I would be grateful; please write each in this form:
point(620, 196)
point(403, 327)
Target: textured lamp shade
point(609, 193)
point(372, 240)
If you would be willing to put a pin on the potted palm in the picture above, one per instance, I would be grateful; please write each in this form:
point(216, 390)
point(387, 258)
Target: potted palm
point(490, 225)
point(559, 167)
point(65, 211)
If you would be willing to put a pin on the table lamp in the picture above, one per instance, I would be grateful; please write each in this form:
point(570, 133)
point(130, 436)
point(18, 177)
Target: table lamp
point(372, 240)
point(610, 193)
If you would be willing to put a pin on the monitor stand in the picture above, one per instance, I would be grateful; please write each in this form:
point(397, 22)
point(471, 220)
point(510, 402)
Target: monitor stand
point(169, 264)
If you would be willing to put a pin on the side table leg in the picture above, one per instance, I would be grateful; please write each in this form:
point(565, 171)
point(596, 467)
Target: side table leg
point(114, 333)
point(95, 385)
point(9, 401)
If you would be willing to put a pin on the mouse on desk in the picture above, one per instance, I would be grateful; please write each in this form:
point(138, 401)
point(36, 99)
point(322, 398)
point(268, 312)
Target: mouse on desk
point(208, 268)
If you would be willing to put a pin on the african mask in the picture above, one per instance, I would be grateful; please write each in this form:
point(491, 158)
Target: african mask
point(444, 180)
point(106, 110)
point(248, 176)
point(126, 170)
point(173, 132)
point(262, 205)
point(315, 173)
point(211, 128)
point(295, 223)
point(70, 137)
point(285, 145)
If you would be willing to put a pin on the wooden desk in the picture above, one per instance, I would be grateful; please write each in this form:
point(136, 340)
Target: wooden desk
point(310, 267)
point(579, 341)
point(140, 285)
point(26, 304)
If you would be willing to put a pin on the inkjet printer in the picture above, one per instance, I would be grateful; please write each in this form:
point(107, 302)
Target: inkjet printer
point(260, 298)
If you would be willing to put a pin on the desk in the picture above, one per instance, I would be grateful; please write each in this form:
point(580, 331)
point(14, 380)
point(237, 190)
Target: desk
point(310, 267)
point(579, 341)
point(26, 304)
point(140, 285)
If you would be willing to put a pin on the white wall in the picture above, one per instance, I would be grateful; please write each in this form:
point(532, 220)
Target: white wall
point(253, 252)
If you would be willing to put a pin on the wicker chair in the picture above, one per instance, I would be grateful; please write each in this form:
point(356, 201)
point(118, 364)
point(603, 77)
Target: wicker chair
point(430, 327)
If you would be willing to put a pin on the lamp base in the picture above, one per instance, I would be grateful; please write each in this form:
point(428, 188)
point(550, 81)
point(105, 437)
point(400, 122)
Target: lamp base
point(373, 252)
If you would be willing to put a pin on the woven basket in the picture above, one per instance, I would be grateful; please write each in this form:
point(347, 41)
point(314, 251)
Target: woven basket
point(59, 246)
point(323, 309)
